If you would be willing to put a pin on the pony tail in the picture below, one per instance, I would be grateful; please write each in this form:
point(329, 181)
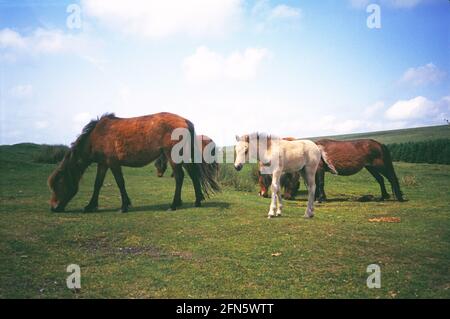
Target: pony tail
point(327, 162)
point(206, 173)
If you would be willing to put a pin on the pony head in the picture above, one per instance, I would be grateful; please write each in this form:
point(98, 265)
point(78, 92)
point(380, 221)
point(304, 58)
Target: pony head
point(63, 184)
point(161, 165)
point(241, 149)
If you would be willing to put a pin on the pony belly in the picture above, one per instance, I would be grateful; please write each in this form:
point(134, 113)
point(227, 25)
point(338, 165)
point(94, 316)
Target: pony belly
point(293, 167)
point(137, 159)
point(347, 171)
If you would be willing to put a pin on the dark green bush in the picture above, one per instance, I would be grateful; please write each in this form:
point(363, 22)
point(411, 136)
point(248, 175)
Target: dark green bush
point(50, 154)
point(242, 181)
point(432, 152)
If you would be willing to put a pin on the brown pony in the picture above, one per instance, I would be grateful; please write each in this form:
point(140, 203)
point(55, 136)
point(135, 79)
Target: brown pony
point(204, 141)
point(289, 181)
point(349, 157)
point(113, 142)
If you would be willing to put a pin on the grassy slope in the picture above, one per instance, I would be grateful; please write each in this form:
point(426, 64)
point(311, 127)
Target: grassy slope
point(225, 248)
point(400, 136)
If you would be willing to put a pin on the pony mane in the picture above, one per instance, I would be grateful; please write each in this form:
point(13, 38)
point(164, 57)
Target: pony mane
point(70, 166)
point(87, 129)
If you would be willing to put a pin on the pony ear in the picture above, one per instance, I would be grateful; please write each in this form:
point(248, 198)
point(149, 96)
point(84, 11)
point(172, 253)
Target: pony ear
point(238, 138)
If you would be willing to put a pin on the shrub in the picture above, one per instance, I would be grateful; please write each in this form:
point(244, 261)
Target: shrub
point(241, 181)
point(432, 152)
point(50, 154)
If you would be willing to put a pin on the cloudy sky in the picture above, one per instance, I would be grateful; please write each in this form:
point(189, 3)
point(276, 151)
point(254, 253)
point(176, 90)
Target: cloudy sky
point(291, 68)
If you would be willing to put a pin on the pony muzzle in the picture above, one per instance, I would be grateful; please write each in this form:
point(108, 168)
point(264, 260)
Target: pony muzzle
point(56, 208)
point(238, 167)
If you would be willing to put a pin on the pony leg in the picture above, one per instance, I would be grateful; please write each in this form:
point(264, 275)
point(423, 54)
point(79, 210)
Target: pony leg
point(393, 180)
point(310, 175)
point(320, 184)
point(179, 177)
point(118, 176)
point(380, 180)
point(194, 175)
point(280, 204)
point(275, 195)
point(93, 203)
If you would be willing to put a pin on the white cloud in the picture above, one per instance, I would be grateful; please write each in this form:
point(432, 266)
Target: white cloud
point(331, 123)
point(373, 109)
point(206, 64)
point(284, 12)
point(156, 19)
point(416, 108)
point(11, 39)
point(22, 91)
point(41, 41)
point(268, 17)
point(423, 75)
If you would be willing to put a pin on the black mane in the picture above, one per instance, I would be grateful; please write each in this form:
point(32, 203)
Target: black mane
point(87, 129)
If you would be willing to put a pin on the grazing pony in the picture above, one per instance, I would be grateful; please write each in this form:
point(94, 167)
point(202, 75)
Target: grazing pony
point(349, 157)
point(280, 156)
point(290, 182)
point(113, 142)
point(207, 145)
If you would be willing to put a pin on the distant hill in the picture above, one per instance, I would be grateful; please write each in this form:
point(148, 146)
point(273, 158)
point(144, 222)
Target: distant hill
point(399, 136)
point(26, 151)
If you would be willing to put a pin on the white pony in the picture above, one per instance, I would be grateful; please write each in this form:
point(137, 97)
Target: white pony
point(278, 156)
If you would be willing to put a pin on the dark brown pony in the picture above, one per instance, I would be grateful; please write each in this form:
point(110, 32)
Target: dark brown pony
point(289, 181)
point(349, 157)
point(113, 142)
point(204, 141)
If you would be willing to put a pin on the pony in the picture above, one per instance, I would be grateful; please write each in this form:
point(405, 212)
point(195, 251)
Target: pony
point(113, 142)
point(349, 157)
point(205, 142)
point(280, 156)
point(289, 181)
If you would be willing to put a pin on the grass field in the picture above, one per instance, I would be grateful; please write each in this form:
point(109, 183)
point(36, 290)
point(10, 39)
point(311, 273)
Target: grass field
point(227, 248)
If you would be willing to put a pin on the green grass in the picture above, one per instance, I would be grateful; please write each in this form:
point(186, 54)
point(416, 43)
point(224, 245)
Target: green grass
point(223, 249)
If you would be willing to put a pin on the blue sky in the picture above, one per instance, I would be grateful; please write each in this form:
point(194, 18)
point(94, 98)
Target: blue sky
point(291, 68)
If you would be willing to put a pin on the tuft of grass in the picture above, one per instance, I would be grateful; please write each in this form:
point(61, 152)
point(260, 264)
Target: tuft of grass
point(50, 154)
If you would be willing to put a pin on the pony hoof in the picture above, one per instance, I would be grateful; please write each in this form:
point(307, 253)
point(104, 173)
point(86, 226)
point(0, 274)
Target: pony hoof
point(90, 209)
point(171, 209)
point(308, 216)
point(278, 214)
point(198, 204)
point(124, 210)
